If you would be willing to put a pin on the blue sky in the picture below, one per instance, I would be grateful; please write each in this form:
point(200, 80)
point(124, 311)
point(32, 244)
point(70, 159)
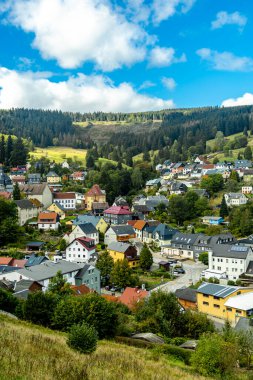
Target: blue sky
point(132, 55)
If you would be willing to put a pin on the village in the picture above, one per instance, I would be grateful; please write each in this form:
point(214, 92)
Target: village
point(212, 274)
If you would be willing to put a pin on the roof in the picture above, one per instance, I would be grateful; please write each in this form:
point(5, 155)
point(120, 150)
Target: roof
point(82, 219)
point(221, 291)
point(118, 210)
point(212, 217)
point(231, 251)
point(164, 232)
point(48, 215)
point(80, 290)
point(118, 246)
point(110, 298)
point(35, 243)
point(52, 174)
point(24, 204)
point(88, 228)
point(242, 302)
point(187, 294)
point(48, 269)
point(23, 285)
point(69, 195)
point(85, 242)
point(35, 260)
point(95, 190)
point(123, 229)
point(83, 270)
point(34, 189)
point(235, 195)
point(131, 296)
point(149, 337)
point(182, 238)
point(18, 263)
point(140, 224)
point(100, 205)
point(5, 194)
point(5, 260)
point(57, 204)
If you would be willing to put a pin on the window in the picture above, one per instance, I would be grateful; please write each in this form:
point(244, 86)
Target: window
point(238, 311)
point(229, 309)
point(216, 298)
point(216, 306)
point(206, 295)
point(205, 303)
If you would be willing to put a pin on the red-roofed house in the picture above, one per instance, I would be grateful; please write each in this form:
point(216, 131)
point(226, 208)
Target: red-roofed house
point(66, 200)
point(48, 220)
point(78, 176)
point(80, 250)
point(9, 261)
point(19, 179)
point(95, 194)
point(117, 215)
point(5, 260)
point(5, 194)
point(131, 296)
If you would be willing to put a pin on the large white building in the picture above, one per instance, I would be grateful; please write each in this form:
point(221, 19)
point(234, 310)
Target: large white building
point(235, 199)
point(80, 250)
point(66, 200)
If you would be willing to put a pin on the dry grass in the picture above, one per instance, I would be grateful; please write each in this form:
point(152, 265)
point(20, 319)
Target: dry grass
point(29, 352)
point(60, 153)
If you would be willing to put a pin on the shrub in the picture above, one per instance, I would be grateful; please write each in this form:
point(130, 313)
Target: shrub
point(39, 308)
point(7, 301)
point(83, 338)
point(177, 352)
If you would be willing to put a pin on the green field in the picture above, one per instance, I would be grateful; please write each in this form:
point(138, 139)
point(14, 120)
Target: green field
point(60, 153)
point(30, 352)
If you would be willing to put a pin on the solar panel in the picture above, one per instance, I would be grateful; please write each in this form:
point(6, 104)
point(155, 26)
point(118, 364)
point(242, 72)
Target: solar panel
point(239, 248)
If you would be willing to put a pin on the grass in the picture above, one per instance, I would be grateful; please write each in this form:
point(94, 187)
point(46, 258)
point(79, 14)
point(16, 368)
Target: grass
point(60, 153)
point(29, 352)
point(104, 161)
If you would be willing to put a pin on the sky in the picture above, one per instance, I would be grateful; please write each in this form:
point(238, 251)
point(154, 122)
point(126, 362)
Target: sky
point(125, 55)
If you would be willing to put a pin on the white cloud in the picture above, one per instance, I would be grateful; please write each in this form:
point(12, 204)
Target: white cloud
point(77, 31)
point(147, 84)
point(169, 83)
point(80, 93)
point(162, 57)
point(244, 100)
point(163, 9)
point(224, 18)
point(225, 61)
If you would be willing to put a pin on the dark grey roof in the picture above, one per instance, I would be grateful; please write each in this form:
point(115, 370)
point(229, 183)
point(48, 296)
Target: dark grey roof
point(149, 337)
point(83, 270)
point(231, 251)
point(180, 238)
point(165, 232)
point(22, 294)
point(7, 269)
point(187, 294)
point(249, 270)
point(123, 229)
point(220, 291)
point(23, 285)
point(24, 204)
point(88, 228)
point(35, 189)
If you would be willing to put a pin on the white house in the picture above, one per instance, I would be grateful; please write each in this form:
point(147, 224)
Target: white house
point(247, 189)
point(66, 200)
point(235, 199)
point(65, 165)
point(83, 230)
point(48, 220)
point(80, 250)
point(80, 198)
point(230, 259)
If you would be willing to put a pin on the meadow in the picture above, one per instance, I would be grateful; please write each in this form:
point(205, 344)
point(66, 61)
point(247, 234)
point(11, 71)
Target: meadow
point(29, 352)
point(60, 154)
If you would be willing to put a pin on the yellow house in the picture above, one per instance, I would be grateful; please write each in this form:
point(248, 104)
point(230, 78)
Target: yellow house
point(95, 194)
point(102, 226)
point(121, 251)
point(215, 300)
point(53, 178)
point(56, 207)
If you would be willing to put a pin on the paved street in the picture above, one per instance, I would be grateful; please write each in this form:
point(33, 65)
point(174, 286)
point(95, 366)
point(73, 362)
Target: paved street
point(192, 275)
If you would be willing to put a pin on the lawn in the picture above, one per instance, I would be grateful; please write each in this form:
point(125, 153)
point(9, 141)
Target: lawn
point(60, 153)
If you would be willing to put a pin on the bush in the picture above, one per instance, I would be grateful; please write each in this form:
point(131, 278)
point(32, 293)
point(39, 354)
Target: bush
point(83, 338)
point(177, 352)
point(39, 308)
point(7, 301)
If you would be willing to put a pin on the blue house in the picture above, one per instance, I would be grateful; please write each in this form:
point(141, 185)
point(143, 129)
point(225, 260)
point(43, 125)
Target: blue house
point(212, 220)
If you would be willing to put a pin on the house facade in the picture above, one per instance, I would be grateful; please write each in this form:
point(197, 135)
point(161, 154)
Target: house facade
point(89, 276)
point(48, 220)
point(26, 210)
point(117, 215)
point(83, 230)
point(119, 233)
point(95, 194)
point(80, 250)
point(121, 251)
point(66, 200)
point(56, 207)
point(53, 178)
point(235, 199)
point(41, 192)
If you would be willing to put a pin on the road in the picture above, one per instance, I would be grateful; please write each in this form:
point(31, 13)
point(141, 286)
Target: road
point(192, 275)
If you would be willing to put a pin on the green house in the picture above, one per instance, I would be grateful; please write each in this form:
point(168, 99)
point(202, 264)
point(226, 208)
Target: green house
point(90, 276)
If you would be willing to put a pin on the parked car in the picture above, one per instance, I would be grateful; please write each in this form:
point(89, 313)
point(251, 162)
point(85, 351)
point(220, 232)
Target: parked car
point(179, 271)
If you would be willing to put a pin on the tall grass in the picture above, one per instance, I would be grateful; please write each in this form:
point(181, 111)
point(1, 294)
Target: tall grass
point(29, 352)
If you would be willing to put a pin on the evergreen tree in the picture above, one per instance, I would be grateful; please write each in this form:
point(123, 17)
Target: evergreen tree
point(9, 148)
point(90, 162)
point(146, 258)
point(248, 153)
point(19, 153)
point(223, 208)
point(16, 192)
point(2, 150)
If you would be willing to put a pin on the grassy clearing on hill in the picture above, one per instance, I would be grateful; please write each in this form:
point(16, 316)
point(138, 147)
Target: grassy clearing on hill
point(104, 161)
point(30, 352)
point(59, 153)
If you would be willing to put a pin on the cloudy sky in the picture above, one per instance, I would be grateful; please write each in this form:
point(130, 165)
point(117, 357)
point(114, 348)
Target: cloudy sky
point(125, 55)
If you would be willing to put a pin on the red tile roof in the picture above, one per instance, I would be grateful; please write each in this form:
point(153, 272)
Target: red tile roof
point(118, 210)
point(131, 296)
point(110, 298)
point(140, 224)
point(5, 260)
point(95, 190)
point(85, 242)
point(18, 263)
point(64, 196)
point(131, 222)
point(5, 194)
point(45, 216)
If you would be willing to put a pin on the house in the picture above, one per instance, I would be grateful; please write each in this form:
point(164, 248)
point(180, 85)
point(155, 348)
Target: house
point(121, 251)
point(141, 210)
point(5, 181)
point(9, 261)
point(177, 168)
point(56, 207)
point(247, 174)
point(212, 220)
point(80, 199)
point(240, 306)
point(212, 299)
point(201, 193)
point(43, 273)
point(98, 208)
point(34, 178)
point(247, 189)
point(201, 160)
point(152, 201)
point(89, 276)
point(138, 227)
point(80, 250)
point(35, 260)
point(178, 188)
point(97, 221)
point(132, 296)
point(35, 245)
point(152, 184)
point(242, 164)
point(95, 194)
point(26, 210)
point(187, 298)
point(41, 192)
point(78, 176)
point(66, 200)
point(235, 199)
point(120, 201)
point(181, 245)
point(83, 230)
point(117, 215)
point(80, 290)
point(53, 178)
point(19, 179)
point(23, 287)
point(48, 220)
point(119, 233)
point(65, 165)
point(231, 259)
point(163, 234)
point(5, 195)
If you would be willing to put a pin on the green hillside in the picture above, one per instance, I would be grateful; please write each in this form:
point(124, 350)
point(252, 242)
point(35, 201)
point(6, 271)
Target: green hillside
point(30, 352)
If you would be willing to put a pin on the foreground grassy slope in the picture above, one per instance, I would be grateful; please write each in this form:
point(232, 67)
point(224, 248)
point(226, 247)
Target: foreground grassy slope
point(59, 153)
point(30, 352)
